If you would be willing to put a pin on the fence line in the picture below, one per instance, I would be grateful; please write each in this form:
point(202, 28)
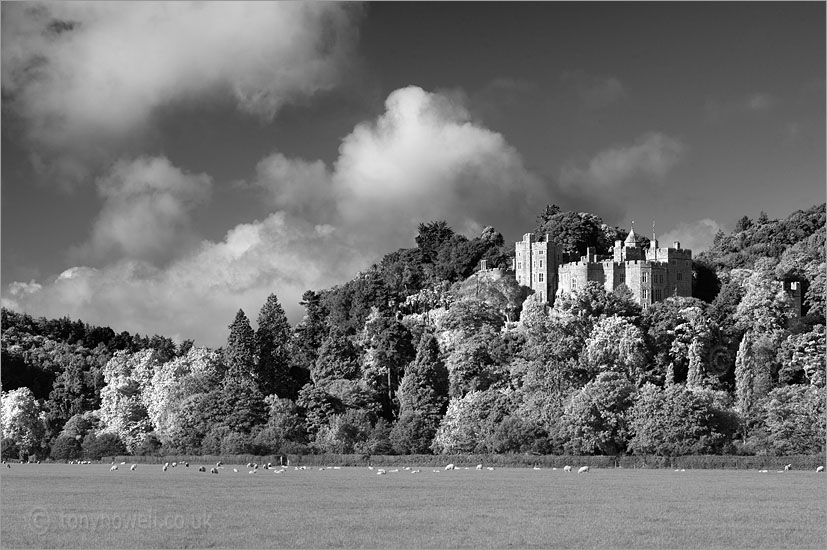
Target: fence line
point(799, 462)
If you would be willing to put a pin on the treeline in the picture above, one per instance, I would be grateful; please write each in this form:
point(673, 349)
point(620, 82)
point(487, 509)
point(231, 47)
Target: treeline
point(423, 353)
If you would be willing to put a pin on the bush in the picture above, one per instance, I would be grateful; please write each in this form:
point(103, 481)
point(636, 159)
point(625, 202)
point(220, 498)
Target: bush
point(107, 444)
point(66, 448)
point(235, 443)
point(150, 446)
point(10, 449)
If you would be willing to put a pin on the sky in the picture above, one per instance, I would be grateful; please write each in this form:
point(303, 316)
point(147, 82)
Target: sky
point(166, 164)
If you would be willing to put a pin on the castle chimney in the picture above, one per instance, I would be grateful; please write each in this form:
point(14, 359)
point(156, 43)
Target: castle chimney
point(677, 245)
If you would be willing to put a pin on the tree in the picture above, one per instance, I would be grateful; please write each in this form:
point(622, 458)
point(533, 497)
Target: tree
point(471, 421)
point(338, 358)
point(617, 345)
point(802, 358)
point(794, 418)
point(23, 422)
point(596, 418)
point(388, 350)
point(423, 399)
point(240, 352)
point(431, 237)
point(675, 421)
point(272, 342)
point(123, 411)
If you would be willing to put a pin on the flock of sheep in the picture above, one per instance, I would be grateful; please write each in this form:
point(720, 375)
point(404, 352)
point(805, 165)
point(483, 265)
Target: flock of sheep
point(253, 467)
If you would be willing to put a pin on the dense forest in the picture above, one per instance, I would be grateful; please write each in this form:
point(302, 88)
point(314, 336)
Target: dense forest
point(425, 353)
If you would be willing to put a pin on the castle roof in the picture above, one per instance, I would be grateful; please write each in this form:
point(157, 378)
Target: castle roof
point(632, 238)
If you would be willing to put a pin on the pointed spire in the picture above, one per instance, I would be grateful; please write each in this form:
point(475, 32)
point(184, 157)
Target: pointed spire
point(632, 238)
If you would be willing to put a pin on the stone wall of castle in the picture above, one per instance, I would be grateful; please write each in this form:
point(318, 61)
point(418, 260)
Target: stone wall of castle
point(652, 274)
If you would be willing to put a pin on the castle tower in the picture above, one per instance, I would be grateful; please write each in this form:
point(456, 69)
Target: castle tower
point(535, 266)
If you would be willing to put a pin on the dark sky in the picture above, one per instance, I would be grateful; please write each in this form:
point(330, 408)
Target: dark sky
point(164, 165)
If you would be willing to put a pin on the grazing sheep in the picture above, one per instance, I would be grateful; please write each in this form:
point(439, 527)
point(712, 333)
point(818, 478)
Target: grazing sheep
point(479, 466)
point(490, 468)
point(583, 470)
point(174, 464)
point(763, 471)
point(218, 464)
point(202, 469)
point(449, 466)
point(414, 471)
point(186, 464)
point(113, 468)
point(820, 469)
point(213, 470)
point(380, 472)
point(566, 468)
point(235, 470)
point(166, 467)
point(337, 467)
point(536, 467)
point(8, 465)
point(788, 467)
point(406, 468)
point(122, 463)
point(132, 468)
point(369, 468)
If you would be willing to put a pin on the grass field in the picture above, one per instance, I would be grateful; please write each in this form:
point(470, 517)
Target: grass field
point(87, 506)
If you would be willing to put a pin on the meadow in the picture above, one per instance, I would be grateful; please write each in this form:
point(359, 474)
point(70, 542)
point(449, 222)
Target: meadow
point(88, 506)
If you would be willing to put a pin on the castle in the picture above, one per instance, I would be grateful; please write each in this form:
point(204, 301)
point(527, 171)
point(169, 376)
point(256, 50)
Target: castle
point(652, 274)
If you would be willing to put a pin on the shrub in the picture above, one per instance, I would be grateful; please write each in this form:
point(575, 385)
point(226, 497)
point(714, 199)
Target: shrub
point(66, 448)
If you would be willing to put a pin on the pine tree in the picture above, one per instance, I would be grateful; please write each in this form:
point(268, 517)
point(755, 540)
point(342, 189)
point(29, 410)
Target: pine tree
point(239, 355)
point(423, 399)
point(272, 343)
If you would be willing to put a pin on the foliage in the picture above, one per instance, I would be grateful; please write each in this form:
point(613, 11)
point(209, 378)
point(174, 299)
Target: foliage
point(240, 352)
point(675, 420)
point(596, 419)
point(272, 338)
point(794, 419)
point(23, 421)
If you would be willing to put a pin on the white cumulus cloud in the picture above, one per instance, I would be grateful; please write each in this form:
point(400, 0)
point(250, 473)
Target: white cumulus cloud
point(423, 159)
point(696, 236)
point(86, 78)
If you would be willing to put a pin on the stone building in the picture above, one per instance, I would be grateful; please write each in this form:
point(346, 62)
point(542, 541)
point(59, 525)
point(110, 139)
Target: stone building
point(652, 274)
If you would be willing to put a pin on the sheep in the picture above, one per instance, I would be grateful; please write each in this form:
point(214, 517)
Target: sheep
point(479, 466)
point(369, 468)
point(174, 464)
point(583, 470)
point(414, 471)
point(763, 471)
point(449, 466)
point(788, 467)
point(490, 468)
point(186, 464)
point(122, 463)
point(380, 472)
point(536, 467)
point(820, 469)
point(132, 468)
point(202, 469)
point(113, 468)
point(567, 468)
point(166, 467)
point(213, 470)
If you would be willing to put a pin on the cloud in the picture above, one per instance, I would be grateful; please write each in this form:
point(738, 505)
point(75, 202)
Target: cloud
point(594, 92)
point(652, 156)
point(423, 159)
point(146, 211)
point(696, 236)
point(86, 78)
point(750, 104)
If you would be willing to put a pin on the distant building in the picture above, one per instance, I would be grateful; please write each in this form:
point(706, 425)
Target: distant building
point(652, 274)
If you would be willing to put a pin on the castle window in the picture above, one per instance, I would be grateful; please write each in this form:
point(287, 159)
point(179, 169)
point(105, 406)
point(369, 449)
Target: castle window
point(680, 276)
point(541, 252)
point(541, 295)
point(622, 277)
point(541, 264)
point(643, 277)
point(657, 295)
point(519, 265)
point(540, 277)
point(574, 284)
point(644, 294)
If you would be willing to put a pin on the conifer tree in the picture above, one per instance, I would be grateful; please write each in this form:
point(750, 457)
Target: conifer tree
point(272, 341)
point(744, 376)
point(423, 399)
point(239, 355)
